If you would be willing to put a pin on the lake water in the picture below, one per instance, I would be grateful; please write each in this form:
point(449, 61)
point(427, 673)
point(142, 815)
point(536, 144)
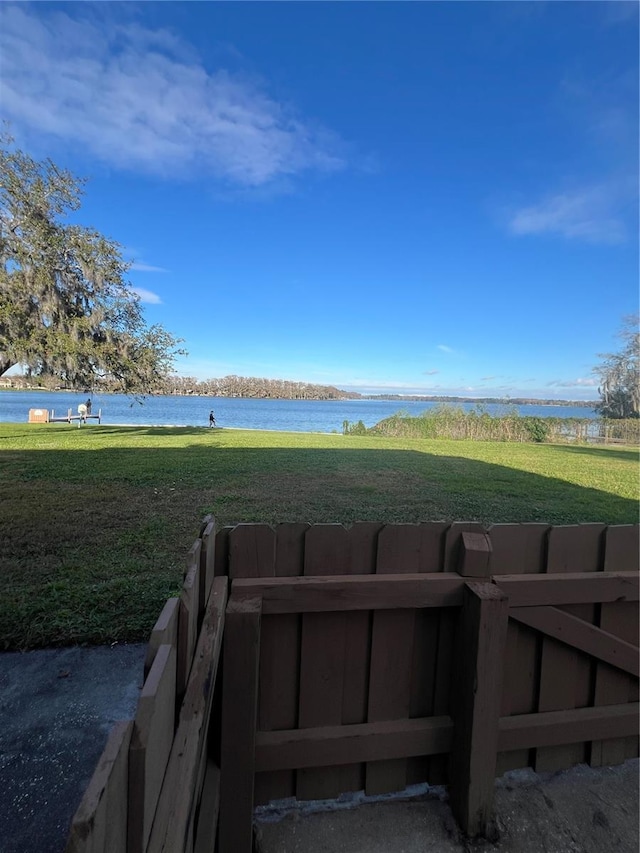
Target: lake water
point(292, 415)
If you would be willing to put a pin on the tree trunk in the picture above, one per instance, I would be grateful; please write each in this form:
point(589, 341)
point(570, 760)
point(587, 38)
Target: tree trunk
point(6, 364)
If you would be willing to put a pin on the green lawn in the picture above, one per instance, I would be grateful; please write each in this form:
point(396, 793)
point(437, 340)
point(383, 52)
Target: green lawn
point(95, 523)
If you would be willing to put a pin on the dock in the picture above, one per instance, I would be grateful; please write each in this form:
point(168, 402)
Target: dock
point(44, 416)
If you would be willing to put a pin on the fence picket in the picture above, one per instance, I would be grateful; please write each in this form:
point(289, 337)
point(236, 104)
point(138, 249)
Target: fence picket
point(566, 679)
point(322, 662)
point(519, 549)
point(621, 619)
point(279, 664)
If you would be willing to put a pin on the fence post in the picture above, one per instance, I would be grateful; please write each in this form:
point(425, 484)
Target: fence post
point(239, 714)
point(476, 702)
point(474, 558)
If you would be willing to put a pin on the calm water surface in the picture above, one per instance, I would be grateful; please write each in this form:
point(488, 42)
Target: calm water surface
point(293, 415)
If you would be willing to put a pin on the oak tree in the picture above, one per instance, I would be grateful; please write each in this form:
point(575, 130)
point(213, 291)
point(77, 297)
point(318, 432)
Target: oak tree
point(66, 307)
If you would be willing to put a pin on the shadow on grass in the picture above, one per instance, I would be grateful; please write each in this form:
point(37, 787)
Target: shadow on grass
point(600, 450)
point(94, 540)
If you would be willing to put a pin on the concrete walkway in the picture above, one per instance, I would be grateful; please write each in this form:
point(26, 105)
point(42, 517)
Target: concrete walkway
point(57, 707)
point(581, 810)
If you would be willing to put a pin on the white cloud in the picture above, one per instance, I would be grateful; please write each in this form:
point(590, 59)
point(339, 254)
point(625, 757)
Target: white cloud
point(445, 348)
point(430, 372)
point(589, 382)
point(593, 214)
point(140, 99)
point(147, 296)
point(139, 267)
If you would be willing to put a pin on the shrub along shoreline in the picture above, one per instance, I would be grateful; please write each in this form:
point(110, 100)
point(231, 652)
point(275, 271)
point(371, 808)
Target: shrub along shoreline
point(452, 422)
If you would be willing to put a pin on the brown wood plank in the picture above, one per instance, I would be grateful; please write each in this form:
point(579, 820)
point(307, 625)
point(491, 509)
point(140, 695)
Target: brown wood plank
point(221, 551)
point(100, 822)
point(430, 665)
point(327, 745)
point(453, 542)
point(580, 635)
point(239, 715)
point(322, 662)
point(569, 588)
point(187, 626)
point(555, 728)
point(209, 810)
point(475, 551)
point(252, 551)
point(180, 792)
point(519, 549)
point(151, 741)
point(566, 676)
point(280, 664)
point(476, 700)
point(400, 677)
point(164, 632)
point(622, 553)
point(207, 563)
point(353, 592)
point(622, 548)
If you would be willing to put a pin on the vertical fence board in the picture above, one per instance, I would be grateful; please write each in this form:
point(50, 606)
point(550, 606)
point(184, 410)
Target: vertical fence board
point(165, 632)
point(280, 664)
point(221, 551)
point(566, 677)
point(252, 551)
point(151, 741)
point(100, 823)
point(621, 619)
point(453, 542)
point(519, 549)
point(188, 622)
point(207, 563)
point(322, 662)
point(401, 675)
point(476, 705)
point(239, 716)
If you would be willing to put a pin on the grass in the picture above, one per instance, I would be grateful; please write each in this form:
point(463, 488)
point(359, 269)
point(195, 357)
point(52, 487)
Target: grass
point(96, 522)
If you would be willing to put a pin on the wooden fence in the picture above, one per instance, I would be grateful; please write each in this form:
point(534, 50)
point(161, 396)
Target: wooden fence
point(374, 657)
point(156, 786)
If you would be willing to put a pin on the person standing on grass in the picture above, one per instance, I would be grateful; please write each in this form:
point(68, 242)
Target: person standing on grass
point(212, 419)
point(88, 405)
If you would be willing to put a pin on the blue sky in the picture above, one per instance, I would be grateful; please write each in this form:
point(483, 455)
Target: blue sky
point(408, 197)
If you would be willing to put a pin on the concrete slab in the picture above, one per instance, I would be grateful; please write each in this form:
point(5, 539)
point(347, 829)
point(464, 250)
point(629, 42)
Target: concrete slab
point(582, 810)
point(57, 707)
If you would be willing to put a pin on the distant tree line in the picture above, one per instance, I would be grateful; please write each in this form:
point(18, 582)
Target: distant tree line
point(255, 387)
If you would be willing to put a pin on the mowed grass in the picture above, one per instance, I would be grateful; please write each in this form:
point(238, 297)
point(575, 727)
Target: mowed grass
point(95, 523)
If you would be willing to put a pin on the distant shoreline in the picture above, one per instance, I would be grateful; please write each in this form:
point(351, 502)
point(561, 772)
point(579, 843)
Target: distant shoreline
point(417, 398)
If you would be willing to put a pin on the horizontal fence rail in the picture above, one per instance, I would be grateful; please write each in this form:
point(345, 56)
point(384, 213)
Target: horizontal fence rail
point(369, 657)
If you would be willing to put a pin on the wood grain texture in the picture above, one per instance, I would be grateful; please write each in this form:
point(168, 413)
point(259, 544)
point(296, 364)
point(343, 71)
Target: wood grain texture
point(151, 742)
point(164, 632)
point(100, 822)
point(519, 549)
point(252, 551)
point(280, 664)
point(207, 563)
point(622, 553)
point(322, 662)
point(569, 588)
point(566, 677)
point(477, 697)
point(580, 635)
point(401, 676)
point(239, 717)
point(353, 592)
point(180, 795)
point(327, 745)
